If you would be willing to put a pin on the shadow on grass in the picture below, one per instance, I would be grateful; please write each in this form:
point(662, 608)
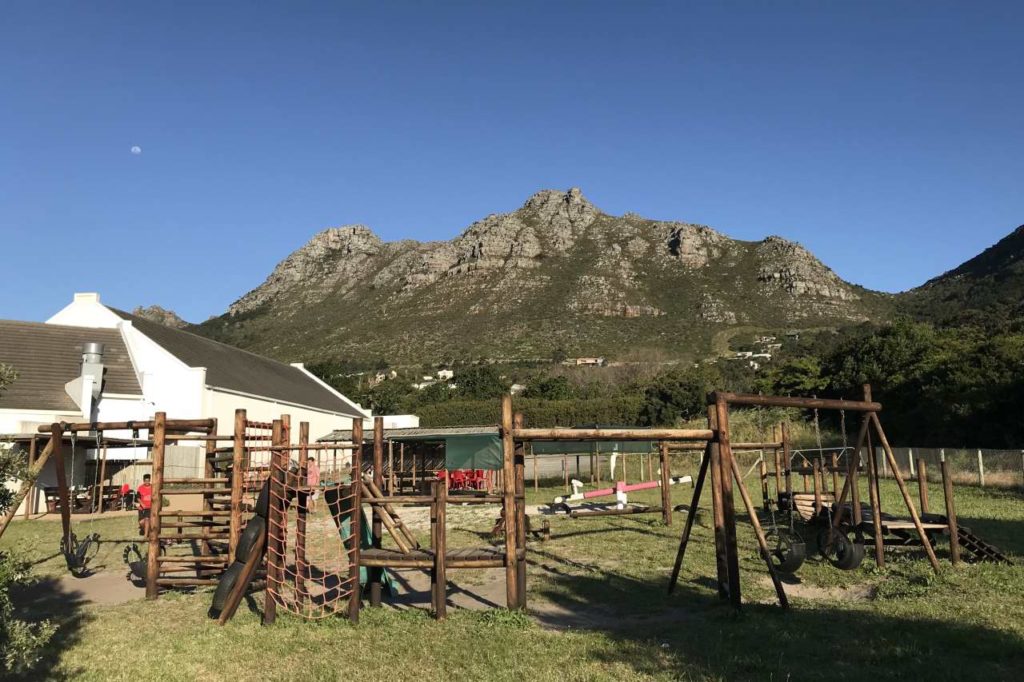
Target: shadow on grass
point(696, 634)
point(51, 599)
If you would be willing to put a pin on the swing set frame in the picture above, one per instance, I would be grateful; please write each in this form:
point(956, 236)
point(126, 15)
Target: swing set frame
point(721, 463)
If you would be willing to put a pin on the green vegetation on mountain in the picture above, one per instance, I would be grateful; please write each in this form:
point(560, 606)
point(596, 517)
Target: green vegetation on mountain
point(557, 275)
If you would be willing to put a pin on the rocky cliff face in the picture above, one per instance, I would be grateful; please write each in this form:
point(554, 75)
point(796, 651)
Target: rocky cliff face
point(557, 272)
point(155, 313)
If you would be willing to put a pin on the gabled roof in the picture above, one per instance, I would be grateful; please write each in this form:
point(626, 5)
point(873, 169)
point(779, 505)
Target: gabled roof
point(234, 369)
point(47, 356)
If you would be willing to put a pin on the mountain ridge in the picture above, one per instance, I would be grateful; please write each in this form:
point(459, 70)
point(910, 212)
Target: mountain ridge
point(557, 273)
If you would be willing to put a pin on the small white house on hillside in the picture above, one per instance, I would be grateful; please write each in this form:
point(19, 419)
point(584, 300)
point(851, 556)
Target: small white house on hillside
point(90, 362)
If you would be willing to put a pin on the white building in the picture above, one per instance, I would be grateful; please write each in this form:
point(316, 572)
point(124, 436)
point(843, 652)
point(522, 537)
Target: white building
point(143, 367)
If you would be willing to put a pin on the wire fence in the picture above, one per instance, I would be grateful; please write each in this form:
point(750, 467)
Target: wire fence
point(972, 466)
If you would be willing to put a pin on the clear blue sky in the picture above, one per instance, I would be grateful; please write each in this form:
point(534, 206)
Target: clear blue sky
point(887, 137)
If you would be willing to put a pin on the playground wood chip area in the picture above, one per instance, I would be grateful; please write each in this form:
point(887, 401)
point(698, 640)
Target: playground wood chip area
point(597, 610)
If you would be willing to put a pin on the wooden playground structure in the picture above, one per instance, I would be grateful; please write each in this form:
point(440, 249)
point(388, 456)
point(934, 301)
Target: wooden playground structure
point(288, 517)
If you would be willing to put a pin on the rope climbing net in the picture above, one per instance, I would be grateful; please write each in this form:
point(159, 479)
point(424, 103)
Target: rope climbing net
point(310, 544)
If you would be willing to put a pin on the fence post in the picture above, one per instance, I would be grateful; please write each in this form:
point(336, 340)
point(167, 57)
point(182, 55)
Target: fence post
point(910, 458)
point(942, 454)
point(877, 450)
point(981, 469)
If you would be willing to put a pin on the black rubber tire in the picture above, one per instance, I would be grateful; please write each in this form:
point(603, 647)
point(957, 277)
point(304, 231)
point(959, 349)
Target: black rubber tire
point(254, 529)
point(789, 552)
point(849, 555)
point(224, 587)
point(262, 507)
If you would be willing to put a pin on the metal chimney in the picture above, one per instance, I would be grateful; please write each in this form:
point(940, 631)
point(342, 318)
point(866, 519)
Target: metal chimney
point(92, 366)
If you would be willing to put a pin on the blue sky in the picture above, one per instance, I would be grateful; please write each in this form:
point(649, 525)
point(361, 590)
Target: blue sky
point(887, 137)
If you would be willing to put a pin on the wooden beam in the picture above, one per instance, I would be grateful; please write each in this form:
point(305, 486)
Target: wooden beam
point(750, 400)
point(562, 434)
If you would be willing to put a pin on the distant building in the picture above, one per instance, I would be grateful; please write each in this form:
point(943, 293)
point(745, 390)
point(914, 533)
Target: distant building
point(90, 362)
point(588, 362)
point(445, 374)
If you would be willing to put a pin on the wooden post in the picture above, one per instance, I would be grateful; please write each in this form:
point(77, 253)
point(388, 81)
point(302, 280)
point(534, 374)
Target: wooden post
point(925, 542)
point(441, 551)
point(237, 484)
point(302, 500)
point(728, 506)
point(375, 575)
point(981, 469)
point(835, 475)
point(817, 485)
point(62, 482)
point(718, 513)
point(874, 490)
point(209, 472)
point(401, 467)
point(666, 494)
point(275, 524)
point(103, 476)
point(508, 501)
point(954, 531)
point(788, 459)
point(30, 492)
point(778, 459)
point(355, 522)
point(763, 471)
point(536, 478)
point(153, 560)
point(391, 467)
point(922, 485)
point(520, 473)
point(853, 476)
point(690, 515)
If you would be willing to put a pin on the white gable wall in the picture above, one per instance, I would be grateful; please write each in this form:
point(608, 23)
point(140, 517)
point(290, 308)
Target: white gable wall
point(221, 405)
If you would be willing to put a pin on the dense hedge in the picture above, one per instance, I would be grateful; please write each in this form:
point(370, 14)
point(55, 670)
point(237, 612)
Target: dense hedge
point(608, 411)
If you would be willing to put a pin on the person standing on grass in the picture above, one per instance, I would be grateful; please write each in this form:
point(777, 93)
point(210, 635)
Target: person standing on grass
point(144, 502)
point(312, 480)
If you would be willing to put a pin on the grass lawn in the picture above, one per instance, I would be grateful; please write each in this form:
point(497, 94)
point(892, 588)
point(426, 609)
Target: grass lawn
point(602, 580)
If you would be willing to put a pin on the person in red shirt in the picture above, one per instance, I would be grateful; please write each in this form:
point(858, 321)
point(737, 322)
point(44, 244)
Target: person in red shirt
point(144, 503)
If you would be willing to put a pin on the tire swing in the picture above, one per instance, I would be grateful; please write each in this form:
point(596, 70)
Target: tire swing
point(789, 552)
point(78, 553)
point(788, 549)
point(840, 550)
point(835, 545)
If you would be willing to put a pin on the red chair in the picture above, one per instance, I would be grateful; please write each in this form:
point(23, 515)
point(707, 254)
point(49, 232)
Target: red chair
point(458, 479)
point(480, 479)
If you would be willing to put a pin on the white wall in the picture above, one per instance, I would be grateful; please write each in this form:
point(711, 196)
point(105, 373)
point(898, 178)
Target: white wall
point(221, 405)
point(86, 311)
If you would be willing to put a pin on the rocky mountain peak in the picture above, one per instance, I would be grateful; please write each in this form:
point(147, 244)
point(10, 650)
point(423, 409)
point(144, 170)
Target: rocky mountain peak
point(155, 313)
point(330, 258)
point(558, 255)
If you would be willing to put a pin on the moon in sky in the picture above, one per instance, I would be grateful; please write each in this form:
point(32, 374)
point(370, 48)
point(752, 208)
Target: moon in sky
point(136, 149)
